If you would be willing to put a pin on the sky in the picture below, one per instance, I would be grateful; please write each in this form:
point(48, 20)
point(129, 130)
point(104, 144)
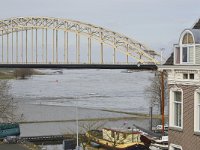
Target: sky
point(156, 23)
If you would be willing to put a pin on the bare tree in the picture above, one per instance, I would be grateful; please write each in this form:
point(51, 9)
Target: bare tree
point(84, 128)
point(87, 127)
point(7, 105)
point(23, 73)
point(153, 92)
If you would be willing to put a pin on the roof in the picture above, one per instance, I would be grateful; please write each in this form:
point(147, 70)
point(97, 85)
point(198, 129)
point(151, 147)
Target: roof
point(196, 34)
point(170, 60)
point(197, 25)
point(124, 130)
point(196, 31)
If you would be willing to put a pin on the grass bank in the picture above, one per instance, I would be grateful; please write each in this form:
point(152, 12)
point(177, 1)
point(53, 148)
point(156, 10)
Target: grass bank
point(6, 74)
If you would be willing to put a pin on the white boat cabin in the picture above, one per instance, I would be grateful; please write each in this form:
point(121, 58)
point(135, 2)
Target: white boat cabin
point(121, 136)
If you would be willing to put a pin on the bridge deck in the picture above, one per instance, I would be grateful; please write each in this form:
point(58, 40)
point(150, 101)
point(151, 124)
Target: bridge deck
point(82, 66)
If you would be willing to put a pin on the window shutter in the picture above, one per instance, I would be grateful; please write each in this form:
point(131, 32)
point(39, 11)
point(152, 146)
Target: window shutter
point(191, 54)
point(177, 55)
point(197, 55)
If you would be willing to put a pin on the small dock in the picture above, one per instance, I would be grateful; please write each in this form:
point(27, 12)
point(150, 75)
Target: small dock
point(47, 140)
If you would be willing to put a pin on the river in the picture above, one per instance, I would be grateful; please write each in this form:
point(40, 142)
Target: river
point(53, 97)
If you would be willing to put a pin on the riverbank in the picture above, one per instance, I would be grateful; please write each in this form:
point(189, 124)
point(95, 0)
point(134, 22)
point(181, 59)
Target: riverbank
point(6, 74)
point(53, 120)
point(10, 73)
point(131, 117)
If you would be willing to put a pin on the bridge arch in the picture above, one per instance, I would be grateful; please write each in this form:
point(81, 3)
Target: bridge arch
point(131, 48)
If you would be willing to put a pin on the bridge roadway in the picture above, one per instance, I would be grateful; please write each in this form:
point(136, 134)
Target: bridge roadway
point(83, 66)
point(48, 140)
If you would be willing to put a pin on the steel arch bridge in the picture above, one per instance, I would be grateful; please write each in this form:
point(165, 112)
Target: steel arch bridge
point(38, 40)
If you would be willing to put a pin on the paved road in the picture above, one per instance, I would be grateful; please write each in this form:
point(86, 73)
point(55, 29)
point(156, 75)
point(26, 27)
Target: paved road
point(12, 147)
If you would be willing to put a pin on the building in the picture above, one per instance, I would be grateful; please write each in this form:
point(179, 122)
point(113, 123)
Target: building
point(184, 91)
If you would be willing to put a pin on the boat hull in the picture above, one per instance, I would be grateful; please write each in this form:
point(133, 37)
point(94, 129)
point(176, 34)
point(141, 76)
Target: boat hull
point(9, 129)
point(134, 147)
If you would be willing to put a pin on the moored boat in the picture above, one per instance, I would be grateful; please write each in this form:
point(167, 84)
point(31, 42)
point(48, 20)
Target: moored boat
point(119, 139)
point(158, 141)
point(9, 129)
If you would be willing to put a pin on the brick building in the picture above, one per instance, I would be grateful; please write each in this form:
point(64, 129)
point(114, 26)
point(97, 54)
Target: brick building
point(184, 91)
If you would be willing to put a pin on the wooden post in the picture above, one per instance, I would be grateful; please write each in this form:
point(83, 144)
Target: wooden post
point(163, 102)
point(151, 115)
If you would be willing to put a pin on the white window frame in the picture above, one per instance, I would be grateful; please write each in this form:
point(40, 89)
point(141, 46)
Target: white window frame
point(172, 146)
point(181, 53)
point(171, 108)
point(188, 76)
point(186, 45)
point(196, 111)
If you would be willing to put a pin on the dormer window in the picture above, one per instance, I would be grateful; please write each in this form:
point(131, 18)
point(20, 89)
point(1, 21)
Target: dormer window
point(184, 52)
point(187, 46)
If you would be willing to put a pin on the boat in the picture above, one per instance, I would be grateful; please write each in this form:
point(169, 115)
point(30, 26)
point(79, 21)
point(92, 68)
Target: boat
point(119, 139)
point(158, 140)
point(158, 128)
point(58, 72)
point(161, 144)
point(127, 71)
point(96, 145)
point(9, 129)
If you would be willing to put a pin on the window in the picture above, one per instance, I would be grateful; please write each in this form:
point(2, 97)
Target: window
point(187, 54)
point(176, 108)
point(187, 39)
point(175, 147)
point(117, 134)
point(191, 75)
point(112, 134)
point(124, 135)
point(197, 111)
point(185, 76)
point(188, 76)
point(187, 48)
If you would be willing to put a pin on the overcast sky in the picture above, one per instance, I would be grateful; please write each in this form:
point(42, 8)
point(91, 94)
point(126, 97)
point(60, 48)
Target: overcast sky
point(156, 23)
